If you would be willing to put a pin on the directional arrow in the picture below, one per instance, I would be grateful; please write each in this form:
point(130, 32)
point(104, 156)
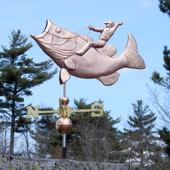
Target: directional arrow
point(64, 111)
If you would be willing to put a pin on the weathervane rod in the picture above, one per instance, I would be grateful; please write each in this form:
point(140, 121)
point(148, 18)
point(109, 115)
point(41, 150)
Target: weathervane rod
point(64, 89)
point(64, 135)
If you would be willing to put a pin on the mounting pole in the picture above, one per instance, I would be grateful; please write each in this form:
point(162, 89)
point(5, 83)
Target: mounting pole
point(64, 135)
point(63, 146)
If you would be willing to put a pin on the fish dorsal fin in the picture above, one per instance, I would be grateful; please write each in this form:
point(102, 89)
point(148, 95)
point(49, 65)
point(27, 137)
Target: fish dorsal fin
point(70, 64)
point(109, 49)
point(86, 37)
point(64, 76)
point(110, 79)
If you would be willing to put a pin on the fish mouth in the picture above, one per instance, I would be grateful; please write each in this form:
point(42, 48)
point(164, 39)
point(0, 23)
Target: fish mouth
point(46, 30)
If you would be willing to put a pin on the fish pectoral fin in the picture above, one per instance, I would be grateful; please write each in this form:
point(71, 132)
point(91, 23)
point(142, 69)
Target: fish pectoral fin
point(110, 79)
point(64, 76)
point(70, 64)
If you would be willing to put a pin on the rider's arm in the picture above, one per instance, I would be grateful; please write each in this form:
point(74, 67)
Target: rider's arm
point(97, 29)
point(116, 26)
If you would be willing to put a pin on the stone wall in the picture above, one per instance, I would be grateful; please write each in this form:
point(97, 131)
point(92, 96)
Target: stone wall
point(25, 163)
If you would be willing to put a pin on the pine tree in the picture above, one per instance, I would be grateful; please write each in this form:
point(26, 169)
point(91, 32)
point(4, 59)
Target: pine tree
point(164, 82)
point(164, 6)
point(140, 140)
point(157, 78)
point(165, 135)
point(48, 140)
point(23, 126)
point(94, 139)
point(4, 129)
point(91, 139)
point(18, 74)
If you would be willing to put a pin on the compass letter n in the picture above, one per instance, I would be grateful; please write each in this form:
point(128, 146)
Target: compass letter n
point(32, 111)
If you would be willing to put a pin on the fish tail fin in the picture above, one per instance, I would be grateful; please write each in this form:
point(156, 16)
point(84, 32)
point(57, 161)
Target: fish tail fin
point(132, 55)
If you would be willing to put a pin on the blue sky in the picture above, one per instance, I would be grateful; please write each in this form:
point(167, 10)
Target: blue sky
point(141, 18)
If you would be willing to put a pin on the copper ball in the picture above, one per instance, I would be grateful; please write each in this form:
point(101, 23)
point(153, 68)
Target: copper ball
point(64, 100)
point(64, 125)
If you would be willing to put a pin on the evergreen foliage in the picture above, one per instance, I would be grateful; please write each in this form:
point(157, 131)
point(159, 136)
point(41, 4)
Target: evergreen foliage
point(18, 74)
point(165, 135)
point(48, 140)
point(91, 139)
point(164, 6)
point(141, 144)
point(94, 139)
point(163, 81)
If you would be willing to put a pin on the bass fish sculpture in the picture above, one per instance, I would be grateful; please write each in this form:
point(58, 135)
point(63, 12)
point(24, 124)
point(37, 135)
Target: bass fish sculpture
point(80, 56)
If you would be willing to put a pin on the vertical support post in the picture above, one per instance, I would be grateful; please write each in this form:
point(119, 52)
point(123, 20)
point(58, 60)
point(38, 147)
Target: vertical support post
point(64, 89)
point(63, 146)
point(64, 135)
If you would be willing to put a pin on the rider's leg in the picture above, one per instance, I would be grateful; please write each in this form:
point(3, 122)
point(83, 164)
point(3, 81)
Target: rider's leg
point(96, 44)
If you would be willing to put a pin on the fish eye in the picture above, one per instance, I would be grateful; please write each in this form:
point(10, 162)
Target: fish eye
point(58, 30)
